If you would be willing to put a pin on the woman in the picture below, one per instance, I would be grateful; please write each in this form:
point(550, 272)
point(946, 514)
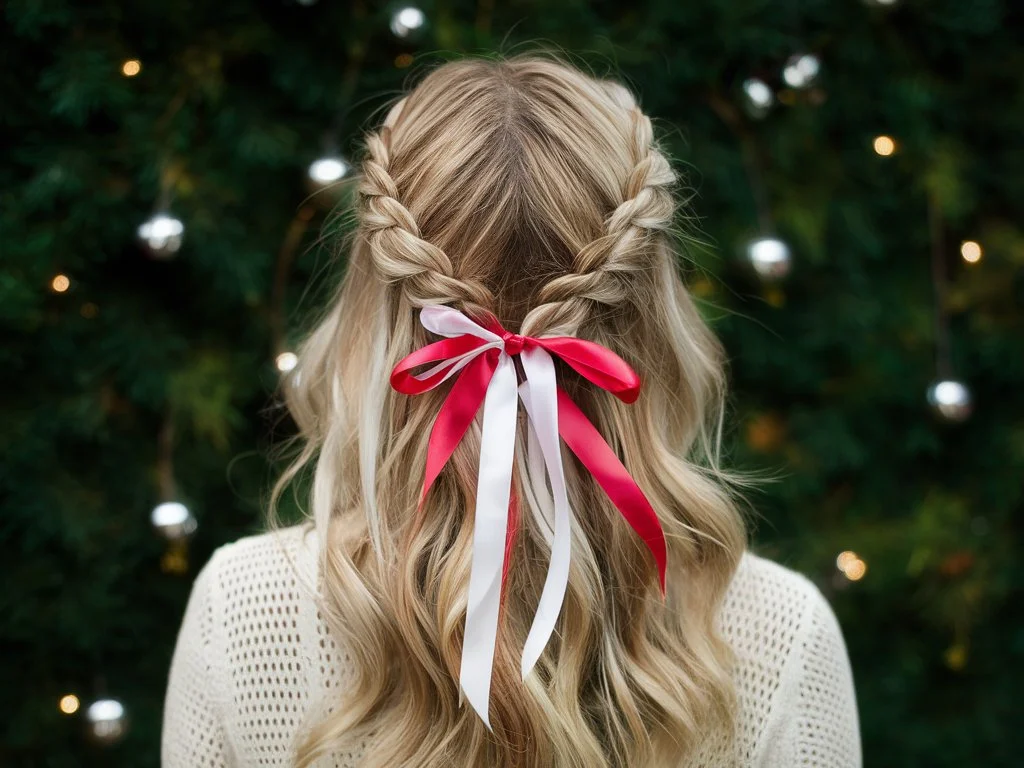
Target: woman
point(441, 609)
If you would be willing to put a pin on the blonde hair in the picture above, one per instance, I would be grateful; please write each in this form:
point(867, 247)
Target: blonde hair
point(528, 189)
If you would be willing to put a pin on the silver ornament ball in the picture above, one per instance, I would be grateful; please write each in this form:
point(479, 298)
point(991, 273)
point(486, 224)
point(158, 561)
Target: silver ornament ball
point(286, 362)
point(161, 235)
point(757, 96)
point(405, 21)
point(173, 520)
point(801, 70)
point(950, 400)
point(769, 257)
point(107, 721)
point(326, 170)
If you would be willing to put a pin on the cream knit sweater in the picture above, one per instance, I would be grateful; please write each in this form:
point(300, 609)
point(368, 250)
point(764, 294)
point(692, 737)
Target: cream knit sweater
point(255, 664)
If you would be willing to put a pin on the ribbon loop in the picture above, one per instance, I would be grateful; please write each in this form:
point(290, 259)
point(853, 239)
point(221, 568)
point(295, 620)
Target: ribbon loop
point(481, 358)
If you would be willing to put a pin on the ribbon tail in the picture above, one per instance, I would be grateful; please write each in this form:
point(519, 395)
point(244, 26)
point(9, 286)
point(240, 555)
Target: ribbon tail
point(542, 503)
point(597, 456)
point(456, 414)
point(539, 395)
point(490, 528)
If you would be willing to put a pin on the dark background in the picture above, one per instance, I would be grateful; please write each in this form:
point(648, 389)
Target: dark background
point(153, 378)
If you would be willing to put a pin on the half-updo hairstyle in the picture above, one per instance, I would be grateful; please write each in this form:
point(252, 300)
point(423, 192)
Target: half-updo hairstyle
point(529, 190)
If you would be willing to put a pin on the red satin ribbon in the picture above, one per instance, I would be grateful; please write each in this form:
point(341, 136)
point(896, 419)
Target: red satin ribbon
point(595, 363)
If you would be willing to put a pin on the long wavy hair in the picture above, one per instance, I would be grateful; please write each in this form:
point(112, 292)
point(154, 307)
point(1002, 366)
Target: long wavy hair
point(531, 190)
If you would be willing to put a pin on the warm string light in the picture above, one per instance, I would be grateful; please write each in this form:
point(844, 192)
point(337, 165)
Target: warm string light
point(403, 60)
point(884, 145)
point(971, 251)
point(69, 704)
point(856, 570)
point(131, 68)
point(851, 565)
point(60, 283)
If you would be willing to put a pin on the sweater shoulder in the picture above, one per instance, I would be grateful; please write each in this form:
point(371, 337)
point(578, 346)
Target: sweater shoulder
point(776, 587)
point(264, 582)
point(279, 664)
point(778, 623)
point(267, 553)
point(767, 610)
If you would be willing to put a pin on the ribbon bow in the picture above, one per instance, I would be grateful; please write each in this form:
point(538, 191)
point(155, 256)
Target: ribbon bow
point(482, 359)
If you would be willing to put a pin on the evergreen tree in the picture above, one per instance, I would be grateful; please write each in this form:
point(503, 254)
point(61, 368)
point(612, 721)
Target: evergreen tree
point(137, 375)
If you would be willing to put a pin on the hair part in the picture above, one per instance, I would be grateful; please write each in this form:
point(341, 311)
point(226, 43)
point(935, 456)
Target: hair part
point(527, 189)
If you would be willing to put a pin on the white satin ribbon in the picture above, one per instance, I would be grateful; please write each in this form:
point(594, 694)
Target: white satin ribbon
point(494, 482)
point(540, 396)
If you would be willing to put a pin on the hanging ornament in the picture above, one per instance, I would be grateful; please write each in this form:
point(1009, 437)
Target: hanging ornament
point(325, 171)
point(286, 361)
point(757, 97)
point(173, 520)
point(161, 235)
point(801, 70)
point(769, 257)
point(107, 721)
point(950, 399)
point(407, 20)
point(286, 364)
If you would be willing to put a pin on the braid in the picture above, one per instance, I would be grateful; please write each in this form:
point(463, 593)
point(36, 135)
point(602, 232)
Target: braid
point(399, 252)
point(647, 207)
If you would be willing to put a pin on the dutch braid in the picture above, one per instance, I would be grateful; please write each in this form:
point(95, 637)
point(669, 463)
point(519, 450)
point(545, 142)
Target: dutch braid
point(647, 207)
point(399, 252)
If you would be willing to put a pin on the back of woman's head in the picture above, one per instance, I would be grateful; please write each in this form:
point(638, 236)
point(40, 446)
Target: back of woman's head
point(526, 190)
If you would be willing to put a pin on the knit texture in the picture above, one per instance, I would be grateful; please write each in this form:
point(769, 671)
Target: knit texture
point(255, 666)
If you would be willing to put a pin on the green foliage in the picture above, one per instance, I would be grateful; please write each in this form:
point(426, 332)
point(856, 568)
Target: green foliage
point(830, 367)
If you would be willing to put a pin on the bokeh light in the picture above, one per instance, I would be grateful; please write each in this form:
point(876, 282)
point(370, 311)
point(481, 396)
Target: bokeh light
point(884, 145)
point(286, 361)
point(971, 251)
point(328, 169)
point(69, 704)
point(407, 20)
